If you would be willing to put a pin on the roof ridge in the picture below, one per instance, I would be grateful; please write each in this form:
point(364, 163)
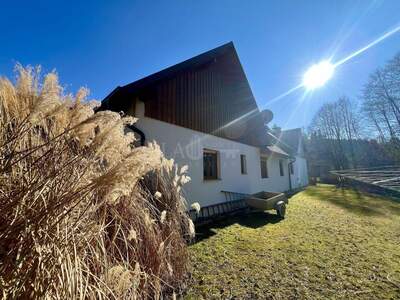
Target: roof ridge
point(171, 70)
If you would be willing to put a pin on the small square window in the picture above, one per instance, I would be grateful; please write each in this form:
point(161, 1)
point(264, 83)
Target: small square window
point(243, 164)
point(210, 164)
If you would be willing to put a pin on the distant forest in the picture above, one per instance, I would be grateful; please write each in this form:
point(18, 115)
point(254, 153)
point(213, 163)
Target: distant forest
point(365, 133)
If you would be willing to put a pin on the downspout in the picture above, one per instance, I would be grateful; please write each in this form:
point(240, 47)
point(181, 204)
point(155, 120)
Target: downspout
point(140, 133)
point(291, 162)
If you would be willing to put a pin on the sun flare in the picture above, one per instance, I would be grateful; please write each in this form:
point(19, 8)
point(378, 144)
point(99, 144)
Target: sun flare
point(318, 74)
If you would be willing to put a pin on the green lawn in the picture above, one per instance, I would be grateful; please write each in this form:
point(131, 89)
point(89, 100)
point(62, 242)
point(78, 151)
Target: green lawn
point(333, 244)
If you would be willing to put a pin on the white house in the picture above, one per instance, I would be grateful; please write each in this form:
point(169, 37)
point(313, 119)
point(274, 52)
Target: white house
point(292, 141)
point(203, 114)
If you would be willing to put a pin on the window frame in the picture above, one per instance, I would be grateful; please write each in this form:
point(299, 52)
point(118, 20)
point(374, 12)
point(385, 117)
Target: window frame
point(243, 164)
point(291, 168)
point(264, 160)
point(281, 169)
point(217, 164)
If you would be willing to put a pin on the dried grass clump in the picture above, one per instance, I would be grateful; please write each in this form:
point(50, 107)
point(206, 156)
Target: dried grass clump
point(83, 214)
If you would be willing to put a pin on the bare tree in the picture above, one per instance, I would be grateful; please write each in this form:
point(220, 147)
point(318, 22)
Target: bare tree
point(337, 129)
point(381, 100)
point(337, 126)
point(349, 124)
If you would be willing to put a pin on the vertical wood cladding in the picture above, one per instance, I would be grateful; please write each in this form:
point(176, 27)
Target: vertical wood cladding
point(205, 99)
point(205, 93)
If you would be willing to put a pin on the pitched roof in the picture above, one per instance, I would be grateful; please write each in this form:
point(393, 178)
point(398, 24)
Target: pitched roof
point(204, 93)
point(291, 137)
point(277, 150)
point(245, 114)
point(288, 140)
point(277, 146)
point(193, 62)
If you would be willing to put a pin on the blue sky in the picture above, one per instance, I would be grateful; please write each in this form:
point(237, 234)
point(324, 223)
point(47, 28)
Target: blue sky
point(102, 44)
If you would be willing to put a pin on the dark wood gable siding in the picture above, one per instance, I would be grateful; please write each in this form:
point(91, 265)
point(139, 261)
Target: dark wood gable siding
point(204, 93)
point(205, 99)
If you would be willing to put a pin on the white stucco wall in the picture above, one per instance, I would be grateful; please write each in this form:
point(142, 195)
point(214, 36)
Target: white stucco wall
point(186, 146)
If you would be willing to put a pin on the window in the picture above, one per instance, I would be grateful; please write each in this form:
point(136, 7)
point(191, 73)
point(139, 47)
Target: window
point(281, 167)
point(210, 164)
point(264, 167)
point(243, 165)
point(291, 169)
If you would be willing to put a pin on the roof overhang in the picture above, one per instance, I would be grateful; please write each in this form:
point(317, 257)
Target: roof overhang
point(274, 150)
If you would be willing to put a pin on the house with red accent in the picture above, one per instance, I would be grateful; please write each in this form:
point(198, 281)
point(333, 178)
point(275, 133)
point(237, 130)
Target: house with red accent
point(203, 114)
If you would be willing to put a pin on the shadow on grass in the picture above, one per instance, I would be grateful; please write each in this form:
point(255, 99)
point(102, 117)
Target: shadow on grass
point(251, 220)
point(353, 200)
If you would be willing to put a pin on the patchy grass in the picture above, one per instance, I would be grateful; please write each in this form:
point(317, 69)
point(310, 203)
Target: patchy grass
point(333, 244)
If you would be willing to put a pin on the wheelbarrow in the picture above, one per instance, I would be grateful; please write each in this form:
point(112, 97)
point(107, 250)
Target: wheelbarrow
point(268, 201)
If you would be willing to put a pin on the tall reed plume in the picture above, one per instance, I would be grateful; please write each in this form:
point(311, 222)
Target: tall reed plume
point(83, 213)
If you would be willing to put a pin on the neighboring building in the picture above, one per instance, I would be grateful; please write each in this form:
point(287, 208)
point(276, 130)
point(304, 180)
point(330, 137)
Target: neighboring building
point(203, 114)
point(294, 142)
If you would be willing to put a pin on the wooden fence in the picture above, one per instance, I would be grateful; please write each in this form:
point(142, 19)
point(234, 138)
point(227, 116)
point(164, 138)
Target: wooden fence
point(381, 180)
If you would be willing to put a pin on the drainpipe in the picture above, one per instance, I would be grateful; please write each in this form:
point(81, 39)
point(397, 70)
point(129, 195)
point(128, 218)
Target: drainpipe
point(135, 129)
point(291, 162)
point(139, 132)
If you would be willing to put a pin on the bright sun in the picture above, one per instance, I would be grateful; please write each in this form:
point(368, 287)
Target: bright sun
point(318, 74)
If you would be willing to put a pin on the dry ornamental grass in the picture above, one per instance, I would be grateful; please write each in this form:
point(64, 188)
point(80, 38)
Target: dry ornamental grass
point(83, 213)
